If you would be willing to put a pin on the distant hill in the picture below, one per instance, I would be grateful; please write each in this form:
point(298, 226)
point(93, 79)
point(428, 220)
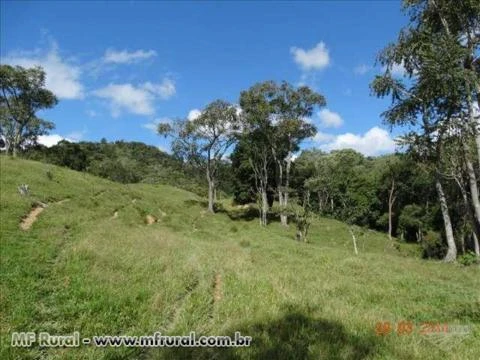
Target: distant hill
point(121, 161)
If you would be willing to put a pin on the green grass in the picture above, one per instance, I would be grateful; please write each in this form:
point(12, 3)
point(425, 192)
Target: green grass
point(80, 269)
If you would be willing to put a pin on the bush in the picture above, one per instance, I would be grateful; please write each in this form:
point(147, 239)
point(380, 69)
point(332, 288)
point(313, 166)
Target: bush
point(468, 259)
point(433, 245)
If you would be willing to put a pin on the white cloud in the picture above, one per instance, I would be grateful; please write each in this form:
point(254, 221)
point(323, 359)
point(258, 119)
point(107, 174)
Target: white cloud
point(374, 142)
point(151, 126)
point(397, 70)
point(330, 119)
point(165, 90)
point(362, 69)
point(76, 135)
point(154, 124)
point(136, 99)
point(125, 57)
point(62, 77)
point(53, 139)
point(163, 149)
point(127, 97)
point(316, 58)
point(321, 137)
point(193, 114)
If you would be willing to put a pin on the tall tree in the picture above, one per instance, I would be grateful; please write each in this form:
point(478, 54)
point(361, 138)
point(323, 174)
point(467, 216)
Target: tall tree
point(442, 73)
point(205, 140)
point(290, 107)
point(258, 134)
point(22, 95)
point(274, 115)
point(215, 130)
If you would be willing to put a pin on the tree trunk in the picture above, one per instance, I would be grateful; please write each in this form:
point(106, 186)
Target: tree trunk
point(211, 191)
point(260, 170)
point(476, 245)
point(282, 204)
point(391, 200)
point(477, 140)
point(452, 248)
point(288, 160)
point(468, 208)
point(264, 208)
point(281, 192)
point(211, 185)
point(472, 182)
point(354, 241)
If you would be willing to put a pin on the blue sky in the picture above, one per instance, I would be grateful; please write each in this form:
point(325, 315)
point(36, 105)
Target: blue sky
point(120, 67)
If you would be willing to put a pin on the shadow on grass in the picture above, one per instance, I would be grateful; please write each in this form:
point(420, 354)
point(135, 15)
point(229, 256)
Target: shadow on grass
point(194, 202)
point(245, 213)
point(293, 336)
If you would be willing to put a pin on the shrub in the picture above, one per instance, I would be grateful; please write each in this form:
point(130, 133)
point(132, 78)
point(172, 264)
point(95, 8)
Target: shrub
point(433, 245)
point(468, 259)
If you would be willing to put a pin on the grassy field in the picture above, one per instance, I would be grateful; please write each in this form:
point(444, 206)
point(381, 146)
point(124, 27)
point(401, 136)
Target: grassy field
point(91, 263)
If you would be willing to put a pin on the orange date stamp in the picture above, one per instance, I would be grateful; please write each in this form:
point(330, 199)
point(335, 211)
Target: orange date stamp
point(405, 327)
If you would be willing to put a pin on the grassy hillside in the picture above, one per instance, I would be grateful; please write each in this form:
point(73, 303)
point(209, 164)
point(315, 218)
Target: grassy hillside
point(91, 263)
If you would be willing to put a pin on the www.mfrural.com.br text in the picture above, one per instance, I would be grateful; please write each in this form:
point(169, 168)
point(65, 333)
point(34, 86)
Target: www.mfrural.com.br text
point(45, 339)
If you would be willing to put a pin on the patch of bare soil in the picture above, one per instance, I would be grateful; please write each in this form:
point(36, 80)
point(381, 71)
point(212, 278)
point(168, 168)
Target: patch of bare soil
point(217, 288)
point(28, 220)
point(62, 201)
point(150, 219)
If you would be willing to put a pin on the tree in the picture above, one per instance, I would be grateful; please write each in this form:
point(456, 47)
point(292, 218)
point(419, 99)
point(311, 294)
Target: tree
point(442, 73)
point(393, 178)
point(290, 108)
point(205, 140)
point(274, 123)
point(302, 214)
point(23, 94)
point(215, 131)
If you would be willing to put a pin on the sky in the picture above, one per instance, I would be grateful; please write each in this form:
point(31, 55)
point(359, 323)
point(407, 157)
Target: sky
point(119, 68)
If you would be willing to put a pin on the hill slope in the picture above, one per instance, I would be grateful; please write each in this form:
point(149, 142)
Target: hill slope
point(91, 263)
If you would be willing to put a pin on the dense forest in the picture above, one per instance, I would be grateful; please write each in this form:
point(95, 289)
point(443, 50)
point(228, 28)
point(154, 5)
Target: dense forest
point(251, 150)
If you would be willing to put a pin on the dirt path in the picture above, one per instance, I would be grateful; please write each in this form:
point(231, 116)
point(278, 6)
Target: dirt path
point(31, 217)
point(150, 219)
point(217, 288)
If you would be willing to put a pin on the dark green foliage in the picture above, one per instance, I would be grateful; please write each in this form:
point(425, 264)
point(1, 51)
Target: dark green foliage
point(411, 222)
point(243, 185)
point(125, 162)
point(433, 245)
point(350, 187)
point(468, 259)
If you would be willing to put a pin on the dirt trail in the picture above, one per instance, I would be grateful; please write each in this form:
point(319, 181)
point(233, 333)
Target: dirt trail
point(31, 217)
point(62, 201)
point(217, 289)
point(28, 220)
point(150, 219)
